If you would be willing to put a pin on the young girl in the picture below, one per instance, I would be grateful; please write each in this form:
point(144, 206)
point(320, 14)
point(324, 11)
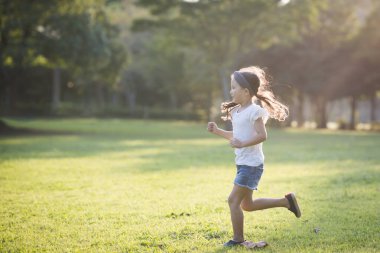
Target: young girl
point(248, 123)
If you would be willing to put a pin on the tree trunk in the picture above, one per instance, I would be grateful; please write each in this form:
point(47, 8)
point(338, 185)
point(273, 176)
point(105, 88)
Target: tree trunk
point(4, 42)
point(353, 112)
point(373, 107)
point(300, 117)
point(14, 87)
point(7, 101)
point(173, 100)
point(209, 104)
point(115, 99)
point(320, 103)
point(323, 123)
point(131, 99)
point(100, 95)
point(226, 94)
point(225, 84)
point(56, 91)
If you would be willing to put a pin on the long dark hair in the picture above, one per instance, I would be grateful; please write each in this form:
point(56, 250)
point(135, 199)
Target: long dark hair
point(255, 80)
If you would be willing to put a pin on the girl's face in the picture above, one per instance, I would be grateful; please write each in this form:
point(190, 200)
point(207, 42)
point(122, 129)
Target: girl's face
point(239, 94)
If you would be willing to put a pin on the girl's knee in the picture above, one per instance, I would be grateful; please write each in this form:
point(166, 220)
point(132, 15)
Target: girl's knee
point(247, 206)
point(230, 200)
point(244, 206)
point(233, 201)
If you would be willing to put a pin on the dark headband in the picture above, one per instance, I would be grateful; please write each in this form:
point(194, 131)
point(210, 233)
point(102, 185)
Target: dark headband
point(239, 77)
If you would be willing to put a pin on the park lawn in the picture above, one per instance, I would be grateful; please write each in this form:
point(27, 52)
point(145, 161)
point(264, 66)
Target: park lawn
point(110, 185)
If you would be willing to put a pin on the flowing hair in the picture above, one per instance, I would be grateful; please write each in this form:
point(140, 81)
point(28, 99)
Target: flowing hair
point(256, 81)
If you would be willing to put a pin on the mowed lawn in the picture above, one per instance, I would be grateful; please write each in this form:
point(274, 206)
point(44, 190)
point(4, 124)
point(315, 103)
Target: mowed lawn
point(115, 185)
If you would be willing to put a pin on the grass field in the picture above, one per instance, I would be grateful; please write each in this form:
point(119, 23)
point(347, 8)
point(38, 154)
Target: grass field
point(155, 186)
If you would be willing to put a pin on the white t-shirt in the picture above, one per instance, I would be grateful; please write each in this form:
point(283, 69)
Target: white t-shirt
point(243, 130)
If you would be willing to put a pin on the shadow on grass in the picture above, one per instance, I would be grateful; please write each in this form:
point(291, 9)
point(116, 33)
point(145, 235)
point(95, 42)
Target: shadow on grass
point(9, 131)
point(172, 146)
point(154, 154)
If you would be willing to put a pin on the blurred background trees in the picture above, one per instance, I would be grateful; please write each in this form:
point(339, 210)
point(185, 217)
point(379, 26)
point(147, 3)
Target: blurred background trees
point(173, 58)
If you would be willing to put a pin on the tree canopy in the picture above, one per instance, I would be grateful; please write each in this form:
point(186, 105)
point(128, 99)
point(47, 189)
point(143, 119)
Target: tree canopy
point(181, 53)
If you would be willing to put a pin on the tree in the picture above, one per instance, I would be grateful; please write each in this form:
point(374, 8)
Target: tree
point(360, 58)
point(18, 41)
point(158, 68)
point(323, 28)
point(240, 27)
point(76, 36)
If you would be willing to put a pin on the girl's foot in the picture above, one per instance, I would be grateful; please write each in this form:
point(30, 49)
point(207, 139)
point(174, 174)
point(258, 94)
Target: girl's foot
point(294, 208)
point(231, 243)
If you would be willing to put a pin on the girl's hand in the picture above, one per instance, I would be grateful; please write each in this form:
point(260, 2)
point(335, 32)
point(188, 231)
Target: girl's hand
point(212, 127)
point(235, 143)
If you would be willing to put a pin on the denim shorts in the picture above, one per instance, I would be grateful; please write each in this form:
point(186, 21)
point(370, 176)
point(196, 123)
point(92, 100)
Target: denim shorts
point(248, 176)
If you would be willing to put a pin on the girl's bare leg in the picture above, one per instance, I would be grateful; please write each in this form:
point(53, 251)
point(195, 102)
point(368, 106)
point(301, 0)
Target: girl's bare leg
point(237, 217)
point(248, 204)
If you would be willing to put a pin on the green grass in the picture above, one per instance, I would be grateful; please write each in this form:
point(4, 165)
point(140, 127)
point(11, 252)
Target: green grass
point(155, 186)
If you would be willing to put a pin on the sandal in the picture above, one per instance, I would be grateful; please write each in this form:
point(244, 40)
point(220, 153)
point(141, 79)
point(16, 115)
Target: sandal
point(294, 208)
point(231, 243)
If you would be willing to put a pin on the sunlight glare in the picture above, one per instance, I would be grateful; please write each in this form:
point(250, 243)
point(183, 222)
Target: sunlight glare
point(283, 2)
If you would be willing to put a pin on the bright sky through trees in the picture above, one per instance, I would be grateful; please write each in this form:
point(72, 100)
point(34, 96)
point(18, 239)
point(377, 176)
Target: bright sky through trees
point(284, 2)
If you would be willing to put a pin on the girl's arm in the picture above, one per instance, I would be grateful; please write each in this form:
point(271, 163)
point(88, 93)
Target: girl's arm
point(260, 137)
point(212, 127)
